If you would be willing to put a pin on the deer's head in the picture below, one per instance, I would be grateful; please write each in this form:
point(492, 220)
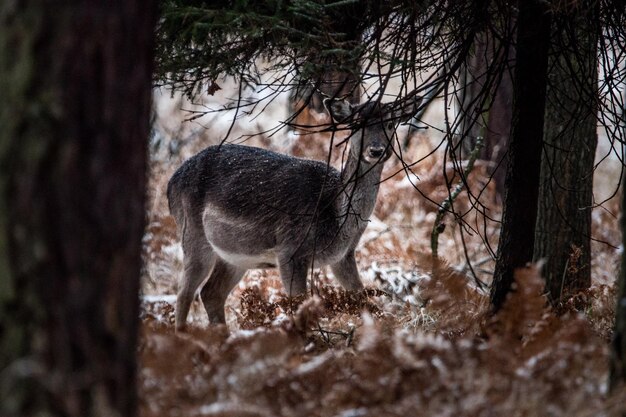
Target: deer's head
point(372, 125)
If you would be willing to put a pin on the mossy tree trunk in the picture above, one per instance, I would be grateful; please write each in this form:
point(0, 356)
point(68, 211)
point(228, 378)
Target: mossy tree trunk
point(562, 234)
point(517, 237)
point(74, 120)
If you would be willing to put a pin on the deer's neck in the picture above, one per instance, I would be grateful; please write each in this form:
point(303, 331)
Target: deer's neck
point(361, 182)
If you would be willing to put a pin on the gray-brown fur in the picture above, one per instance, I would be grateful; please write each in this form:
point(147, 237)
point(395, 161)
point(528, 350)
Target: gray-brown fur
point(240, 207)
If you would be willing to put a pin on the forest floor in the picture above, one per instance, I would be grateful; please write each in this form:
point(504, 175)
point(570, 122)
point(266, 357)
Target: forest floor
point(417, 341)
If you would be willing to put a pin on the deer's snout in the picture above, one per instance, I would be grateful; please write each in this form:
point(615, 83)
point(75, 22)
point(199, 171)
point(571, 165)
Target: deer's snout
point(376, 151)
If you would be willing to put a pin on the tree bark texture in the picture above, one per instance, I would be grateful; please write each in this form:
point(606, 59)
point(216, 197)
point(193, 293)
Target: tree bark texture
point(617, 375)
point(76, 82)
point(515, 248)
point(562, 234)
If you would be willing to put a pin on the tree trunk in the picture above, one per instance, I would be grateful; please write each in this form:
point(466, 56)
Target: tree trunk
point(499, 125)
point(617, 371)
point(617, 375)
point(522, 180)
point(76, 82)
point(562, 235)
point(486, 108)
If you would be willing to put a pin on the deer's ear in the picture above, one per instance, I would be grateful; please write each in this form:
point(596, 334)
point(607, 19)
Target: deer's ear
point(340, 110)
point(408, 109)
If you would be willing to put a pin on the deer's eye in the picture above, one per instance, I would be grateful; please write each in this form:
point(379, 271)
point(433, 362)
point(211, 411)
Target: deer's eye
point(390, 125)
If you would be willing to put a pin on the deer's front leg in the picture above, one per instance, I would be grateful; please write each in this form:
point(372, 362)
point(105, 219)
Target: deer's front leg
point(293, 274)
point(347, 272)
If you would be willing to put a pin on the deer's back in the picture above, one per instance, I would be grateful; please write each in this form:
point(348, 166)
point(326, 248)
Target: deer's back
point(253, 200)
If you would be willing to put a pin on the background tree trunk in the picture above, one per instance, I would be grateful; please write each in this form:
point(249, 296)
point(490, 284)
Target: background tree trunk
point(76, 82)
point(522, 180)
point(562, 235)
point(617, 374)
point(491, 119)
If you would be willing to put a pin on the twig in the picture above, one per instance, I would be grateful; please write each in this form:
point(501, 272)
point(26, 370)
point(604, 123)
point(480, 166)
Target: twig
point(376, 236)
point(439, 226)
point(325, 334)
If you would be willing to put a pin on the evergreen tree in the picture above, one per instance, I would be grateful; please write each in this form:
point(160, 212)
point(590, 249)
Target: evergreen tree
point(563, 228)
point(522, 180)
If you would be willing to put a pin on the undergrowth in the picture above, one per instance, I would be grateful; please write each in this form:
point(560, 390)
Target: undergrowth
point(342, 354)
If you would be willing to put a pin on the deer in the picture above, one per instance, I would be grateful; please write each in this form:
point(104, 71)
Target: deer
point(239, 207)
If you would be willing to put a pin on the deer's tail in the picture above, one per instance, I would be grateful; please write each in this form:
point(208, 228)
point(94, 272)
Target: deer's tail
point(175, 202)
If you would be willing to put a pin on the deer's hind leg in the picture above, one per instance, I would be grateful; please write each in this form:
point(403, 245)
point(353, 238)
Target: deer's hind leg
point(222, 280)
point(199, 259)
point(293, 272)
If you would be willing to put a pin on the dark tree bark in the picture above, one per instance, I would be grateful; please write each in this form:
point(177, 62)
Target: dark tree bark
point(76, 82)
point(522, 180)
point(499, 127)
point(562, 235)
point(617, 375)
